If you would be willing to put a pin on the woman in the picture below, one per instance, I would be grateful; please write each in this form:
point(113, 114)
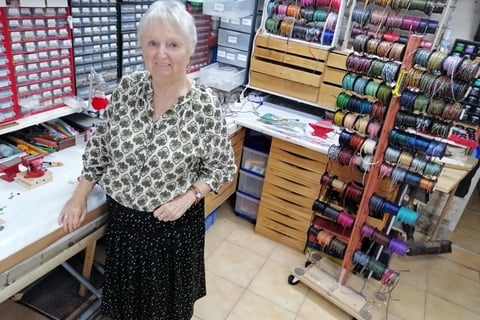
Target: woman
point(162, 147)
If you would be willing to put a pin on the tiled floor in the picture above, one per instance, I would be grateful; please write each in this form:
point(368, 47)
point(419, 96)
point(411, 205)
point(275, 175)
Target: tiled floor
point(247, 279)
point(467, 232)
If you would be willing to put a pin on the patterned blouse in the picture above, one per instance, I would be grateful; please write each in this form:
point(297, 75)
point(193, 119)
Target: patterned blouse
point(142, 164)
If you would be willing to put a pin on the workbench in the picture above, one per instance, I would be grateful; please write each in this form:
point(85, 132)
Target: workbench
point(32, 242)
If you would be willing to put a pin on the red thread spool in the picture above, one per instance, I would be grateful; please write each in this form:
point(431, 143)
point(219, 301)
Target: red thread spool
point(99, 102)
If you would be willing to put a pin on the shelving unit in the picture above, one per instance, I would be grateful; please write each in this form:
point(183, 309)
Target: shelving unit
point(396, 20)
point(327, 278)
point(94, 44)
point(38, 60)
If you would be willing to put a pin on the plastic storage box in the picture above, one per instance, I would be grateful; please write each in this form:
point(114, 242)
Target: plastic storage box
point(246, 206)
point(250, 184)
point(243, 24)
point(210, 219)
point(254, 161)
point(235, 9)
point(232, 56)
point(222, 77)
point(234, 39)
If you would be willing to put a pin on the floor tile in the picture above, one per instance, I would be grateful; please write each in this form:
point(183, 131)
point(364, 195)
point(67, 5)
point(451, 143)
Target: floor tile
point(407, 302)
point(467, 236)
point(438, 308)
point(212, 242)
point(221, 296)
point(271, 283)
point(447, 266)
point(226, 222)
point(316, 307)
point(287, 256)
point(251, 306)
point(413, 270)
point(235, 263)
point(394, 317)
point(248, 239)
point(454, 287)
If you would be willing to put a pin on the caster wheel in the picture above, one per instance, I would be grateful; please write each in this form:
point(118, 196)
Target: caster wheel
point(293, 280)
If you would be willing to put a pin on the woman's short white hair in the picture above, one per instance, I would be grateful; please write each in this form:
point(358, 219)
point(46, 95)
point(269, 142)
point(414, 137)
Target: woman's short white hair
point(171, 11)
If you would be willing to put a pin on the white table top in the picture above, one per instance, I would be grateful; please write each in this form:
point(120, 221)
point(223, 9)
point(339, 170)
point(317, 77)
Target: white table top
point(30, 215)
point(247, 115)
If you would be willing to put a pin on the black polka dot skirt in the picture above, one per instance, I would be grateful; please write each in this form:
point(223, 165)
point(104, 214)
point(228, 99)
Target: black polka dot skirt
point(153, 269)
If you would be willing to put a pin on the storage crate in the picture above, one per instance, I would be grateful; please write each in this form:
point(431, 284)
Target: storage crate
point(243, 25)
point(210, 219)
point(234, 39)
point(250, 184)
point(235, 9)
point(246, 206)
point(232, 56)
point(254, 161)
point(222, 77)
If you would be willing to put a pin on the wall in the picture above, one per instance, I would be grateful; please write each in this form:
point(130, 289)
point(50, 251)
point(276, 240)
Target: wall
point(466, 10)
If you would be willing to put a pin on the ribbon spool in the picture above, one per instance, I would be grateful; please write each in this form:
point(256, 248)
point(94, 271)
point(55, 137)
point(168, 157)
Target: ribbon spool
point(319, 206)
point(407, 216)
point(345, 220)
point(331, 213)
point(397, 246)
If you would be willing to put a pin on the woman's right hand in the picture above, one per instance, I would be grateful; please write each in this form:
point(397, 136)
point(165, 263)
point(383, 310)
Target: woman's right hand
point(73, 213)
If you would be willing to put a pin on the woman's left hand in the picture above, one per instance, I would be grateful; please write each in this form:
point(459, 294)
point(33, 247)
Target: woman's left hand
point(175, 208)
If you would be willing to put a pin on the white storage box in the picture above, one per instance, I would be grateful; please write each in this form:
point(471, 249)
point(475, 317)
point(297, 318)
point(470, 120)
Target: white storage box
point(246, 206)
point(234, 39)
point(232, 56)
point(222, 77)
point(235, 9)
point(243, 24)
point(254, 161)
point(250, 184)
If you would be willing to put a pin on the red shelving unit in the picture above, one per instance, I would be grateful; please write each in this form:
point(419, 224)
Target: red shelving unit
point(38, 59)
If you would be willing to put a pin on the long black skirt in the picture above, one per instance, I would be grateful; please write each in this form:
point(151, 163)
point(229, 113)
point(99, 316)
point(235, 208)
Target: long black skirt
point(153, 269)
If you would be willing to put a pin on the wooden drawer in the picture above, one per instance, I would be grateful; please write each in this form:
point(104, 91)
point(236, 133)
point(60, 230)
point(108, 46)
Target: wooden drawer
point(274, 69)
point(337, 60)
point(288, 68)
point(327, 97)
point(292, 183)
point(298, 47)
point(334, 76)
point(213, 201)
point(283, 87)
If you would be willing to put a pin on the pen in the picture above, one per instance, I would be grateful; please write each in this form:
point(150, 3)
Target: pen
point(53, 164)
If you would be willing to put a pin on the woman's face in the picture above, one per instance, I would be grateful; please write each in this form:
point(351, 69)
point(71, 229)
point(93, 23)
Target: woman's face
point(166, 52)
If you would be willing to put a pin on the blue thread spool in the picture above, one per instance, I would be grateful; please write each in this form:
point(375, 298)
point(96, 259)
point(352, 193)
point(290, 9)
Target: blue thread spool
point(319, 206)
point(361, 258)
point(331, 213)
point(390, 207)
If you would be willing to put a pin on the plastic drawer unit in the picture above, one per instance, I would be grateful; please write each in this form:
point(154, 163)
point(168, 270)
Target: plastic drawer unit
point(242, 25)
point(222, 77)
point(235, 9)
point(250, 184)
point(232, 56)
point(246, 206)
point(234, 39)
point(254, 161)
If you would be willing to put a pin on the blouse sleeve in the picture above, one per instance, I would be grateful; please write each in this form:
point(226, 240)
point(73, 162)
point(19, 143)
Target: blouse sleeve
point(218, 166)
